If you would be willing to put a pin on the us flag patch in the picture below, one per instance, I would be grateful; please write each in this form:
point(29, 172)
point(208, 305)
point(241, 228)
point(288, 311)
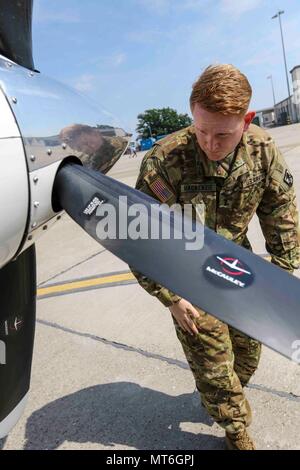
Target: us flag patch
point(159, 187)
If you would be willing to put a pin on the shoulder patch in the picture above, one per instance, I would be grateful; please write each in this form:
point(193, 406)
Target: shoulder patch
point(288, 178)
point(160, 189)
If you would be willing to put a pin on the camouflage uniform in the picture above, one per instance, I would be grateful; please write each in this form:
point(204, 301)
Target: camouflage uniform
point(253, 179)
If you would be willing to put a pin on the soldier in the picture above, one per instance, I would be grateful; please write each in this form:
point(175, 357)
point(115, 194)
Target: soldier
point(234, 168)
point(97, 151)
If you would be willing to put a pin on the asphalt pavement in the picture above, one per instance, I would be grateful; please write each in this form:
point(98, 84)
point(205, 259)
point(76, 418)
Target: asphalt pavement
point(108, 371)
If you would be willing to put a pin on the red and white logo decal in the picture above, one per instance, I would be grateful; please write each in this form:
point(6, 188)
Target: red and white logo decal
point(232, 266)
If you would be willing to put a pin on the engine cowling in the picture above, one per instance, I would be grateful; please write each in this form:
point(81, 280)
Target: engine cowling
point(43, 123)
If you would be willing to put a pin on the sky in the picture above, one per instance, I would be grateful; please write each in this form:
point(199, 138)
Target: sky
point(133, 55)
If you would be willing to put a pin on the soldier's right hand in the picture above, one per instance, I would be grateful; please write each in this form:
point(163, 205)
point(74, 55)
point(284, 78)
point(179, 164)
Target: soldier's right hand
point(184, 313)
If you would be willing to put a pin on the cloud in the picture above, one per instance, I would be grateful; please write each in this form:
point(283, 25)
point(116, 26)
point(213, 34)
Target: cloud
point(106, 62)
point(118, 59)
point(85, 82)
point(237, 8)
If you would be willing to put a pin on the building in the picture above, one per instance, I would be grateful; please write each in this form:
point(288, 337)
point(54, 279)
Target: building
point(282, 112)
point(296, 92)
point(265, 117)
point(288, 111)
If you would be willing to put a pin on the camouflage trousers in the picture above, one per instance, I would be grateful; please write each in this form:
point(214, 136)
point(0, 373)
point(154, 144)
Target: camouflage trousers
point(222, 360)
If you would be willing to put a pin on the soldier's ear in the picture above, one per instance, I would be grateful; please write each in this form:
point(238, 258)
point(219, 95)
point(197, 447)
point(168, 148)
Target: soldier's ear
point(248, 119)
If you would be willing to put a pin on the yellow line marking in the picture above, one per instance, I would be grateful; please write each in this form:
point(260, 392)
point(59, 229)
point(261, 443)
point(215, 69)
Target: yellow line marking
point(87, 283)
point(98, 281)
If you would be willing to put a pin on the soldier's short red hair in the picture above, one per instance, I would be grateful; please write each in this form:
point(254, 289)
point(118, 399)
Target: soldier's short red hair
point(223, 89)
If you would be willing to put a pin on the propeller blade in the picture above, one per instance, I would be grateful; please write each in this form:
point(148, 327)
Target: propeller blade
point(16, 31)
point(222, 278)
point(17, 324)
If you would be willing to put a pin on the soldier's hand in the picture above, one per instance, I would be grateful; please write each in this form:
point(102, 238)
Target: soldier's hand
point(184, 313)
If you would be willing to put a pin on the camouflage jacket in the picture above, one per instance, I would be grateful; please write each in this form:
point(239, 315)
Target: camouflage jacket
point(253, 179)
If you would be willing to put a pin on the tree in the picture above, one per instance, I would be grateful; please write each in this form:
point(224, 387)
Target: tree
point(154, 122)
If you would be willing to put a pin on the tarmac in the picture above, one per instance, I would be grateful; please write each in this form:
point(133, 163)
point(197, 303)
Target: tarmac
point(108, 371)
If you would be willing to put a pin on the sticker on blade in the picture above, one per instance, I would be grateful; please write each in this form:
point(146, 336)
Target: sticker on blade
point(11, 325)
point(92, 206)
point(2, 353)
point(225, 271)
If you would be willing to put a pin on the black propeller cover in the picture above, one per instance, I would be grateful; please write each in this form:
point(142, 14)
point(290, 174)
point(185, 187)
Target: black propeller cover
point(16, 31)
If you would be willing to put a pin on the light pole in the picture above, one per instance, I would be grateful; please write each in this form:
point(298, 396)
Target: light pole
point(274, 100)
point(278, 14)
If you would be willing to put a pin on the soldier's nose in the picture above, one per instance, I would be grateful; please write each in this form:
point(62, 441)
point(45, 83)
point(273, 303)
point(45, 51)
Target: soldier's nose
point(210, 145)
